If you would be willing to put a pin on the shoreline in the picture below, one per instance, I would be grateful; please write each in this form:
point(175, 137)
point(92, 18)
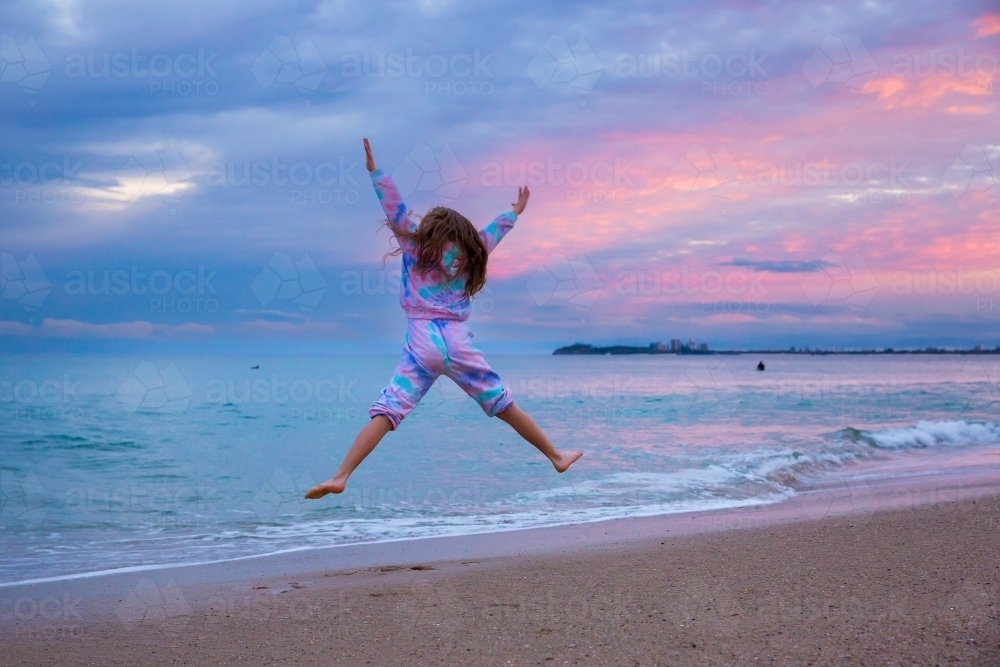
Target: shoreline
point(911, 461)
point(585, 350)
point(871, 573)
point(877, 486)
point(842, 496)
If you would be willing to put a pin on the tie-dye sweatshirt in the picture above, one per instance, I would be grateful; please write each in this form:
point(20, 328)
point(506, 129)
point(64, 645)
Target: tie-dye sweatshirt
point(433, 295)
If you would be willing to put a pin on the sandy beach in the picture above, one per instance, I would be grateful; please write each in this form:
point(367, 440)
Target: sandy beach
point(911, 586)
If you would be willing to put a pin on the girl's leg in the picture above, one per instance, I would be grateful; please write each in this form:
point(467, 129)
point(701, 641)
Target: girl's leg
point(367, 439)
point(416, 371)
point(469, 369)
point(526, 427)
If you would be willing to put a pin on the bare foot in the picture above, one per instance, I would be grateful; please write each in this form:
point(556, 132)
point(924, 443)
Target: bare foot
point(333, 485)
point(566, 459)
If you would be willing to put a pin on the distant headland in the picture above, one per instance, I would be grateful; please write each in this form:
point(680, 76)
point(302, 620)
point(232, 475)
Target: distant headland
point(691, 347)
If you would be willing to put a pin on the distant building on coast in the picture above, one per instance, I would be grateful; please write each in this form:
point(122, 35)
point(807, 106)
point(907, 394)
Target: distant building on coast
point(656, 347)
point(693, 347)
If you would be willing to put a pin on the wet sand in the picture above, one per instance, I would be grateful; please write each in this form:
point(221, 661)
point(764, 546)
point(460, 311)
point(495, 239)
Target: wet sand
point(913, 586)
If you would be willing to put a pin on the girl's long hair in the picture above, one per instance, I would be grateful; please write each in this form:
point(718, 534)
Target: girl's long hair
point(438, 228)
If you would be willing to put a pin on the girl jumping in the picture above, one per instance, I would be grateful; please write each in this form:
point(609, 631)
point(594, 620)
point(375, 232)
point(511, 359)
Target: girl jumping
point(444, 266)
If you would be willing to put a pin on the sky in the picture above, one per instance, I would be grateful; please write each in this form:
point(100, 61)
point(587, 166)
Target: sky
point(190, 175)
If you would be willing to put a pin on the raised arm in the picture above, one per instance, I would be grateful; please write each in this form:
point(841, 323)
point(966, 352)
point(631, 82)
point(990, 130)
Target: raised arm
point(388, 194)
point(503, 223)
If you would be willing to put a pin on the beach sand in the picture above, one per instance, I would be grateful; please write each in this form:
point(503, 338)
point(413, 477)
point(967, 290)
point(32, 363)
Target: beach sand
point(916, 586)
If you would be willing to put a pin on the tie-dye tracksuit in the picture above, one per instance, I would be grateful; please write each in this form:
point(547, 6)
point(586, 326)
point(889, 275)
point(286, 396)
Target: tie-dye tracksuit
point(438, 342)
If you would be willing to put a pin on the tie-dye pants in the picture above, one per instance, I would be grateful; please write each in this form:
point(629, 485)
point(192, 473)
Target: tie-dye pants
point(434, 348)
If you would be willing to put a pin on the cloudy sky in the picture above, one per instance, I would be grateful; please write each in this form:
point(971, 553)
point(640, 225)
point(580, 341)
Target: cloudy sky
point(189, 175)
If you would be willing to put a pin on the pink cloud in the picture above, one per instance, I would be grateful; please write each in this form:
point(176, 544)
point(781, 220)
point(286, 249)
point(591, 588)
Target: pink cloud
point(8, 328)
point(129, 330)
point(971, 92)
point(987, 25)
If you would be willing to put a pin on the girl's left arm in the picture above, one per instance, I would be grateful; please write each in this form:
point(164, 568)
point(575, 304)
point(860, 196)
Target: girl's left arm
point(496, 230)
point(503, 223)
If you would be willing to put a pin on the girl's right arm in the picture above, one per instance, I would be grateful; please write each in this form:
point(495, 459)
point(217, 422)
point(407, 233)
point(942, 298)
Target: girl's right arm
point(388, 195)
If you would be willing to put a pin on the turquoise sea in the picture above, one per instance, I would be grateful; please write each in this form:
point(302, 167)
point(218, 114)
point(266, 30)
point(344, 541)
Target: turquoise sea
point(112, 462)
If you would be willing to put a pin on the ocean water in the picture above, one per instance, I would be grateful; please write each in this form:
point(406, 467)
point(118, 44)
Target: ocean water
point(113, 462)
